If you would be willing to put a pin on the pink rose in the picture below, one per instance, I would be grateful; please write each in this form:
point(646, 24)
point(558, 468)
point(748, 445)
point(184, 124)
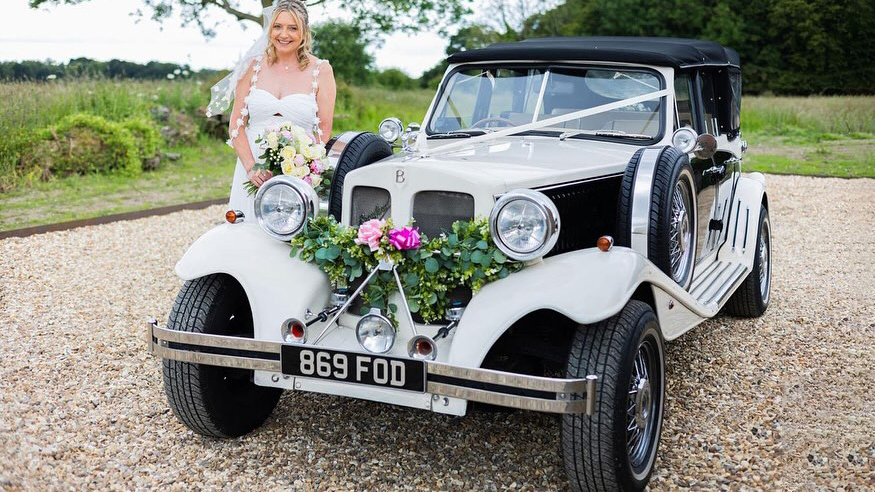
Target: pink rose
point(286, 134)
point(405, 238)
point(370, 233)
point(307, 180)
point(315, 168)
point(300, 160)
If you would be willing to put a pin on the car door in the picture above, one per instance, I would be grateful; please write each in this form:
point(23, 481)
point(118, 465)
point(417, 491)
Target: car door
point(714, 176)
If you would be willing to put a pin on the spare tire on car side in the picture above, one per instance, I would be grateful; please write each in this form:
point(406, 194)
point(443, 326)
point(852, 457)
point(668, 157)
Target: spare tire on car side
point(656, 213)
point(359, 149)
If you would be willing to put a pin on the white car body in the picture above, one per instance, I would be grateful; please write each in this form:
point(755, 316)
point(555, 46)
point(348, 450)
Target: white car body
point(585, 285)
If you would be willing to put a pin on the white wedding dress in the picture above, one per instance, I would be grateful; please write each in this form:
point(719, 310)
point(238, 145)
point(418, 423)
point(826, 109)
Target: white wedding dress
point(265, 112)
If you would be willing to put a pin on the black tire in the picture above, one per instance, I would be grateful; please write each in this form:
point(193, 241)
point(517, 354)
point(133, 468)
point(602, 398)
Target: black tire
point(752, 297)
point(594, 448)
point(671, 172)
point(365, 148)
point(210, 400)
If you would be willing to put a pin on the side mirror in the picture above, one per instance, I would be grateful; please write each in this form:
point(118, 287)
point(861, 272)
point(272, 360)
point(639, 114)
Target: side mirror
point(706, 146)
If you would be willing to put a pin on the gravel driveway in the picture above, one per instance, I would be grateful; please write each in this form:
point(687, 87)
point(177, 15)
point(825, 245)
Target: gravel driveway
point(780, 402)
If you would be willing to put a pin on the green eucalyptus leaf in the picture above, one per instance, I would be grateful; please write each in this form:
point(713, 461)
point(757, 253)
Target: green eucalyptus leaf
point(478, 273)
point(503, 272)
point(477, 257)
point(413, 305)
point(432, 265)
point(453, 240)
point(332, 253)
point(499, 257)
point(411, 280)
point(482, 245)
point(485, 260)
point(393, 308)
point(432, 298)
point(321, 253)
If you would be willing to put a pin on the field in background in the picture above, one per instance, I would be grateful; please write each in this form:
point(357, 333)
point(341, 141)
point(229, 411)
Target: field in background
point(823, 136)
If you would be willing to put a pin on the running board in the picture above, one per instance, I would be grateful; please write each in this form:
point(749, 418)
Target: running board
point(713, 286)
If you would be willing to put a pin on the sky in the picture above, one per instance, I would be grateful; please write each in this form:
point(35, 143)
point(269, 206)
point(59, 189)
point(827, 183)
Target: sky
point(104, 29)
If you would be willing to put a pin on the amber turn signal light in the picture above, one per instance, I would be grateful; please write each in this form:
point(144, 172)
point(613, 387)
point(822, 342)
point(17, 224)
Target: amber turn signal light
point(232, 216)
point(605, 243)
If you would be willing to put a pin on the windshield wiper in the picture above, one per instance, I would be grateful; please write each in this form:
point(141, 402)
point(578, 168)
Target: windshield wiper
point(605, 133)
point(457, 134)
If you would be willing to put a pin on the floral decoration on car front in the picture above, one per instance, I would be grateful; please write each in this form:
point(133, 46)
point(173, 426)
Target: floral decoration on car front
point(430, 269)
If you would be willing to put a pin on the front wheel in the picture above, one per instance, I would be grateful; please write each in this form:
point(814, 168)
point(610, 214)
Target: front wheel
point(615, 448)
point(210, 400)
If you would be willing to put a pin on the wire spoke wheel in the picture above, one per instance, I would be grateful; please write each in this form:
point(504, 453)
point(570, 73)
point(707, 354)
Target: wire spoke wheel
point(681, 232)
point(765, 252)
point(643, 407)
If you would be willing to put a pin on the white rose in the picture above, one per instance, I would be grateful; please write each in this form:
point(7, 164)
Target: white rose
point(272, 140)
point(300, 171)
point(308, 152)
point(288, 153)
point(288, 166)
point(315, 179)
point(299, 133)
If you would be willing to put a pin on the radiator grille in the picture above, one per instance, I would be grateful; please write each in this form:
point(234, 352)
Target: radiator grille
point(369, 203)
point(587, 211)
point(435, 211)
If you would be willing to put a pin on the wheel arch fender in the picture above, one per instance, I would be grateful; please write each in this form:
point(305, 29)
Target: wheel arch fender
point(585, 286)
point(278, 287)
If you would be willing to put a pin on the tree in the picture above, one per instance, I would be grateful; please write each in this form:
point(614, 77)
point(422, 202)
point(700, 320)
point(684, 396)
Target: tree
point(369, 15)
point(344, 45)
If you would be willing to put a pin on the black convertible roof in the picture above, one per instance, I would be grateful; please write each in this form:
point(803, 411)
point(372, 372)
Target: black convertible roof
point(674, 52)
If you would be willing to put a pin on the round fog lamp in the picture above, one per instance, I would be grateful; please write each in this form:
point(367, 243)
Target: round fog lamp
point(684, 139)
point(390, 129)
point(375, 333)
point(294, 331)
point(422, 347)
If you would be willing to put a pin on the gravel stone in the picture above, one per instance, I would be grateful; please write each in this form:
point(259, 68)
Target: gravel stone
point(779, 402)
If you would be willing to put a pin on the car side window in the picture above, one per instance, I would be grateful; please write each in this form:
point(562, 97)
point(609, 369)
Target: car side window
point(709, 104)
point(683, 102)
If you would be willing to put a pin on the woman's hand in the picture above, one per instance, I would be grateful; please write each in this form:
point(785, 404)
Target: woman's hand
point(258, 176)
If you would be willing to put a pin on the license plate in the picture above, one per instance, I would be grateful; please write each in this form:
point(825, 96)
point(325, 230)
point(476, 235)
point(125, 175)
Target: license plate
point(372, 370)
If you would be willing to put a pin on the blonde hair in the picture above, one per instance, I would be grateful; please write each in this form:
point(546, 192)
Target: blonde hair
point(299, 12)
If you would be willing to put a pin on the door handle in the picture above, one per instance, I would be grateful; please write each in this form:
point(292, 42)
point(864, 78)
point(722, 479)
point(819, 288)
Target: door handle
point(715, 173)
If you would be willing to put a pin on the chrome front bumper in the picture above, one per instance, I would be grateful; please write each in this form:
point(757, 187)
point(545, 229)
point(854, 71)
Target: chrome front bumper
point(506, 389)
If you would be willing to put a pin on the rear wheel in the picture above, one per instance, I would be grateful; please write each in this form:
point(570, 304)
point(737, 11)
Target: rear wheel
point(615, 448)
point(210, 400)
point(752, 297)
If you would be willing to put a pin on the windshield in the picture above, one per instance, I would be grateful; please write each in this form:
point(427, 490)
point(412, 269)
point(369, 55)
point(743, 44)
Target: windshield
point(485, 98)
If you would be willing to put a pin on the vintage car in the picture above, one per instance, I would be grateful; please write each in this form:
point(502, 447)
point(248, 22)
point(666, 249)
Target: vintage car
point(609, 168)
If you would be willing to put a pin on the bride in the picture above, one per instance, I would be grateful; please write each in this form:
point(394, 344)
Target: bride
point(278, 80)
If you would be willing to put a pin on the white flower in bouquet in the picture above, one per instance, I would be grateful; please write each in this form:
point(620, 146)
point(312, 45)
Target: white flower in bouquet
point(300, 135)
point(288, 153)
point(287, 167)
point(309, 152)
point(300, 171)
point(273, 140)
point(315, 179)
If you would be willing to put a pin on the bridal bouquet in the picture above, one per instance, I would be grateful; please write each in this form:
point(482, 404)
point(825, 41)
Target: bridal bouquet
point(289, 150)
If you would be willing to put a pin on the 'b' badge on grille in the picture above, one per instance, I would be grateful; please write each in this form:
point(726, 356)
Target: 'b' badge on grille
point(399, 176)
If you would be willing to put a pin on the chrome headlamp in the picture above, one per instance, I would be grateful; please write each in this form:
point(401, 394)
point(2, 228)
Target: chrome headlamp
point(524, 224)
point(684, 139)
point(283, 204)
point(375, 332)
point(390, 129)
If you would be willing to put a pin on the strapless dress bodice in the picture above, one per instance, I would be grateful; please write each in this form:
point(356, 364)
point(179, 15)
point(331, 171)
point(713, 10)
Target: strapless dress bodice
point(267, 110)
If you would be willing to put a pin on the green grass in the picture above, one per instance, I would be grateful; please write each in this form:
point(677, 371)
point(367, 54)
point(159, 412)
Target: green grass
point(813, 136)
point(204, 172)
point(819, 136)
